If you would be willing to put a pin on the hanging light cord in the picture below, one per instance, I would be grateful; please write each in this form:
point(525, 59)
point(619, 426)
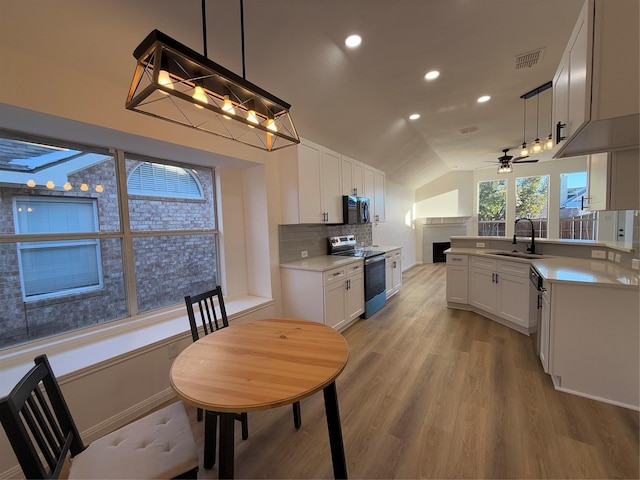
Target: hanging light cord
point(204, 33)
point(524, 121)
point(242, 35)
point(537, 117)
point(204, 28)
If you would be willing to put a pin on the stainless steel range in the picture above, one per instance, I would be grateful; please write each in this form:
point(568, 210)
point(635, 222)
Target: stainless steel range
point(375, 296)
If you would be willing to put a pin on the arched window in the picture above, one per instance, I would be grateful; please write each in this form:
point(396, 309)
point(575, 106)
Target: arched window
point(157, 180)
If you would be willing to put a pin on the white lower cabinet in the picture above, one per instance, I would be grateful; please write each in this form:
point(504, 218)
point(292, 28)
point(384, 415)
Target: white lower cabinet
point(501, 288)
point(334, 297)
point(457, 278)
point(393, 271)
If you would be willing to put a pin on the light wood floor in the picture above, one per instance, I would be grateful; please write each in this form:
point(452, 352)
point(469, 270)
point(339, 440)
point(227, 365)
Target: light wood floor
point(431, 392)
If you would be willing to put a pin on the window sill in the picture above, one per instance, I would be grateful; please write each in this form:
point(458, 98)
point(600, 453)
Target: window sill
point(77, 353)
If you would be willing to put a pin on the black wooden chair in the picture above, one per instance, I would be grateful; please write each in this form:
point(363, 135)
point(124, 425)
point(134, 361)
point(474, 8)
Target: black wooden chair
point(42, 433)
point(208, 310)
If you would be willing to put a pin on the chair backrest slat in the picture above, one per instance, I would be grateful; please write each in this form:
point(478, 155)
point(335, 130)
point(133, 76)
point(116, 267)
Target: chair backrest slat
point(212, 319)
point(40, 431)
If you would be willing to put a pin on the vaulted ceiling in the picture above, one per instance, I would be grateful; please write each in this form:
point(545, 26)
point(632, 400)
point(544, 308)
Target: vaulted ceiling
point(357, 101)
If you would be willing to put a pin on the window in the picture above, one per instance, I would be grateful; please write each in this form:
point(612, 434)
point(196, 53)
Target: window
point(492, 206)
point(575, 222)
point(532, 202)
point(155, 179)
point(66, 260)
point(49, 269)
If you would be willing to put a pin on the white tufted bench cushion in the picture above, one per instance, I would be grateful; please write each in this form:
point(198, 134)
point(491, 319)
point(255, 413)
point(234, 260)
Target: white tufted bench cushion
point(159, 445)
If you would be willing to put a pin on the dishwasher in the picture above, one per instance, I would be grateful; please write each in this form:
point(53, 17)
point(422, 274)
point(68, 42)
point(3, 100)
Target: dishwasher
point(535, 307)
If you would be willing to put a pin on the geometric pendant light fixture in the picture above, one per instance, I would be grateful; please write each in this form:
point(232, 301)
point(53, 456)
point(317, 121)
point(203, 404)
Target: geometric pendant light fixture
point(175, 83)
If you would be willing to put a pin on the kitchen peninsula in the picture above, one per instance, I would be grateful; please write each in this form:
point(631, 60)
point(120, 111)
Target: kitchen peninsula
point(590, 309)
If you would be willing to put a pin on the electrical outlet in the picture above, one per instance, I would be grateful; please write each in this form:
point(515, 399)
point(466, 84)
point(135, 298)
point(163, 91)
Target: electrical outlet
point(618, 258)
point(610, 256)
point(598, 254)
point(635, 264)
point(480, 244)
point(304, 254)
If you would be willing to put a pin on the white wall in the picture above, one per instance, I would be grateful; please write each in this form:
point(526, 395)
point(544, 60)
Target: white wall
point(399, 229)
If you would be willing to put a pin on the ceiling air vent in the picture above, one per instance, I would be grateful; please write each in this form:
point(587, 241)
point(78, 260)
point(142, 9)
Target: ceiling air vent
point(467, 130)
point(529, 59)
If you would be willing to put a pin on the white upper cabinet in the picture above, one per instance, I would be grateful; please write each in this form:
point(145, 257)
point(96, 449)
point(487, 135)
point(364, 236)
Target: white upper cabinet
point(310, 184)
point(596, 99)
point(352, 177)
point(374, 190)
point(614, 180)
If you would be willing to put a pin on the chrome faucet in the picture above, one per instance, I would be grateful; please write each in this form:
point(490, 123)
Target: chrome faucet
point(532, 248)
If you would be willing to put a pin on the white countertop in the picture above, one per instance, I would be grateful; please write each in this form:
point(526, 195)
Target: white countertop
point(322, 263)
point(567, 269)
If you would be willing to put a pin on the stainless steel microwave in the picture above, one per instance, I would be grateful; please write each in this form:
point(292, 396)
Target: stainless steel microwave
point(355, 210)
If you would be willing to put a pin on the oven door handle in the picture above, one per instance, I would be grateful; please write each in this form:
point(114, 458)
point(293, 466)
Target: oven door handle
point(377, 258)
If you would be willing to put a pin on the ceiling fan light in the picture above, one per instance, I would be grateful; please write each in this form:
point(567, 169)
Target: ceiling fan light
point(505, 168)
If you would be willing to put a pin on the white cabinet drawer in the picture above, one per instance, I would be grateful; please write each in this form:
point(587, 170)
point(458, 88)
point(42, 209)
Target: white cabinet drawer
point(483, 262)
point(517, 269)
point(355, 269)
point(334, 275)
point(454, 259)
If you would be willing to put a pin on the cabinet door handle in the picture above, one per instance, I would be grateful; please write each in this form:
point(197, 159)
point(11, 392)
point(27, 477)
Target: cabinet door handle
point(497, 278)
point(493, 278)
point(559, 126)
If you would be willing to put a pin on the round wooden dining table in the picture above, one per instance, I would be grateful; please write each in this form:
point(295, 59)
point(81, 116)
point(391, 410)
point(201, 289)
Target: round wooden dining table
point(260, 365)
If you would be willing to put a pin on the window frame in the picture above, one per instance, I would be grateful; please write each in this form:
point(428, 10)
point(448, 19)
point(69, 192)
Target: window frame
point(23, 246)
point(122, 233)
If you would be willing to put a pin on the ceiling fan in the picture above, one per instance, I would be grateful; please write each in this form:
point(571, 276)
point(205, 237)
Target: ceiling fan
point(507, 159)
point(506, 162)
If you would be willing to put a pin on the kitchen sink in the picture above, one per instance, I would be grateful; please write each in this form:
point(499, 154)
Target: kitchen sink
point(519, 254)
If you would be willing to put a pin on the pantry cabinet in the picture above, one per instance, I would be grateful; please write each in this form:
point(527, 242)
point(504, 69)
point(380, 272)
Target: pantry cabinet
point(457, 284)
point(334, 297)
point(310, 184)
point(393, 268)
point(501, 288)
point(613, 181)
point(595, 89)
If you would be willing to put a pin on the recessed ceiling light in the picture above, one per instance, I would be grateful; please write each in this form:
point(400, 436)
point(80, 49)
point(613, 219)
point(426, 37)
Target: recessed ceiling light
point(432, 75)
point(353, 41)
point(414, 116)
point(484, 98)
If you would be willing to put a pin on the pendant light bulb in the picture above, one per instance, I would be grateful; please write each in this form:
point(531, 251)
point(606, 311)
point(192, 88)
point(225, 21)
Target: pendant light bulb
point(537, 146)
point(548, 145)
point(271, 125)
point(524, 151)
point(165, 80)
point(227, 106)
point(199, 95)
point(252, 118)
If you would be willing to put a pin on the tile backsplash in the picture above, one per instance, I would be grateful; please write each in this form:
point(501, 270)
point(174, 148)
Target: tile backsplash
point(294, 239)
